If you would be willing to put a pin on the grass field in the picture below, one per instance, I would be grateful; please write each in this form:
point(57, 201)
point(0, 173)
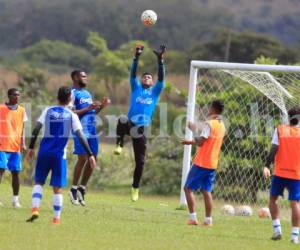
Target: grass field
point(112, 221)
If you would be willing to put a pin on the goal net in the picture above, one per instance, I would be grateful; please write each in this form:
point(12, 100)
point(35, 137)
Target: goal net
point(256, 98)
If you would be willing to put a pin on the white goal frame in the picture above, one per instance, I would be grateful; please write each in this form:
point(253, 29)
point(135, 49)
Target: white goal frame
point(191, 102)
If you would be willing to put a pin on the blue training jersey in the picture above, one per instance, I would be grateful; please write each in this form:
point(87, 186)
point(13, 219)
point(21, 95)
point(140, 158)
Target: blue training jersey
point(81, 98)
point(143, 101)
point(58, 122)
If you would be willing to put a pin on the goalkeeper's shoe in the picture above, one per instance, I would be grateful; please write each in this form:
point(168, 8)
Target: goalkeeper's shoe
point(34, 215)
point(276, 236)
point(192, 222)
point(118, 150)
point(56, 221)
point(80, 195)
point(73, 196)
point(134, 194)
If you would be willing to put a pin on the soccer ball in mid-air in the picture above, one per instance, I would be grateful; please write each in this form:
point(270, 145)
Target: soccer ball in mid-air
point(149, 17)
point(264, 212)
point(228, 210)
point(245, 211)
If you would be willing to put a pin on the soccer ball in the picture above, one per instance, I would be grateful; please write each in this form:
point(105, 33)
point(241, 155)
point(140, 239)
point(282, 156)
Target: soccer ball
point(245, 211)
point(228, 210)
point(264, 212)
point(149, 17)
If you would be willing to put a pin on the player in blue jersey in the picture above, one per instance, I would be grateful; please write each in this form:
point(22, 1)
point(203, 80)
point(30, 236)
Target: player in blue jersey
point(83, 105)
point(144, 97)
point(58, 121)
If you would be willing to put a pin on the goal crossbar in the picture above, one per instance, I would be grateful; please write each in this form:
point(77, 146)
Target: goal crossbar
point(244, 66)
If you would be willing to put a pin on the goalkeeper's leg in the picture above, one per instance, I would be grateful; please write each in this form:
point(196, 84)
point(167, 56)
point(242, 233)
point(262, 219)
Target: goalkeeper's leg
point(139, 147)
point(123, 129)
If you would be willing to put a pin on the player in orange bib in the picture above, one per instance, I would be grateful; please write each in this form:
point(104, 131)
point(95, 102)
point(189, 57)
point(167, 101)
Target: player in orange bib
point(203, 171)
point(285, 153)
point(12, 140)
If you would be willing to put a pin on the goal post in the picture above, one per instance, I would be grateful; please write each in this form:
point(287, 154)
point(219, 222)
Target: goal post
point(256, 97)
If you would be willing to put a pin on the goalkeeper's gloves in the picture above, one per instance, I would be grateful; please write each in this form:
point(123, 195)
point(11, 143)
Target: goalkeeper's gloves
point(160, 53)
point(138, 50)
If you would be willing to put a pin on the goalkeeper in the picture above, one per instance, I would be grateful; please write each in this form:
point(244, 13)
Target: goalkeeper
point(144, 97)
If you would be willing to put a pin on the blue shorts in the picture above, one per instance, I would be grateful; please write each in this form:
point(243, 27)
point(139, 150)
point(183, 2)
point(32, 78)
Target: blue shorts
point(57, 165)
point(11, 161)
point(200, 178)
point(92, 141)
point(279, 184)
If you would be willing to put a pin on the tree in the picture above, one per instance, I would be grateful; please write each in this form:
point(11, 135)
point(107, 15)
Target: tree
point(56, 53)
point(33, 82)
point(108, 66)
point(245, 47)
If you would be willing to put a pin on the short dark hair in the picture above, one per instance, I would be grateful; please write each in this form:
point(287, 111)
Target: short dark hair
point(63, 94)
point(11, 91)
point(218, 106)
point(294, 114)
point(76, 72)
point(146, 73)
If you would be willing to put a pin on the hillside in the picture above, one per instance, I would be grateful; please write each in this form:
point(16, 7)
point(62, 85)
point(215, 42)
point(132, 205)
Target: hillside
point(182, 23)
point(277, 17)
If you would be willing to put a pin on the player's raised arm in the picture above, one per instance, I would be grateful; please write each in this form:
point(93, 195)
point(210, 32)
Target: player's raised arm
point(161, 68)
point(133, 71)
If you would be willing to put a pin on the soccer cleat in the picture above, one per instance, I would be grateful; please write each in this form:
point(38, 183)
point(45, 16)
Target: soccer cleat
point(16, 204)
point(80, 195)
point(118, 150)
point(192, 222)
point(134, 194)
point(276, 236)
point(56, 221)
point(34, 216)
point(295, 240)
point(207, 224)
point(73, 196)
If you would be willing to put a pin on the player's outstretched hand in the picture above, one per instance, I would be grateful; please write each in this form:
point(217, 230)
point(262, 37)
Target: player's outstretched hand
point(30, 154)
point(24, 148)
point(92, 162)
point(105, 101)
point(192, 126)
point(94, 105)
point(266, 172)
point(160, 52)
point(139, 50)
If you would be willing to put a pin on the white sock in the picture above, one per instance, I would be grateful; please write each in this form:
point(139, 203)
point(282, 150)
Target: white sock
point(276, 226)
point(208, 220)
point(37, 194)
point(57, 205)
point(81, 186)
point(193, 216)
point(295, 233)
point(15, 198)
point(75, 187)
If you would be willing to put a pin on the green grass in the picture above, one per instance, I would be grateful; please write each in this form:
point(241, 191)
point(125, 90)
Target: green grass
point(112, 221)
